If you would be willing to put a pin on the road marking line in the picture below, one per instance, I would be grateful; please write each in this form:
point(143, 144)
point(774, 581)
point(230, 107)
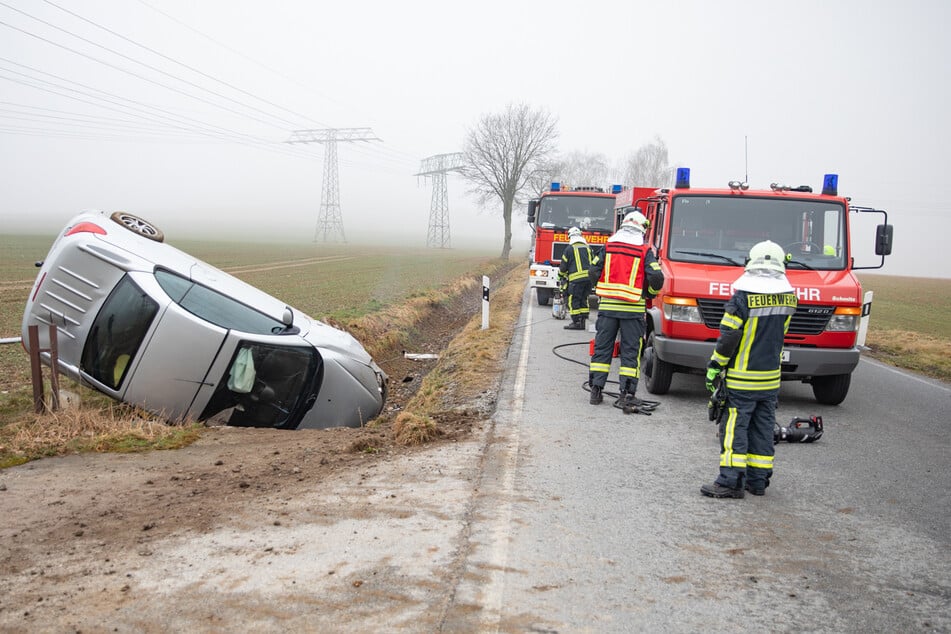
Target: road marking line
point(932, 382)
point(508, 463)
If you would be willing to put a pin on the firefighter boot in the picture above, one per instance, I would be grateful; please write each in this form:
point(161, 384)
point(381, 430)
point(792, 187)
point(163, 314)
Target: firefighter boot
point(756, 489)
point(576, 324)
point(596, 396)
point(717, 490)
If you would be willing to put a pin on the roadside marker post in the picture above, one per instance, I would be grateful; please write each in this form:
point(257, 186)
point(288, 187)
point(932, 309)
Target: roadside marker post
point(485, 302)
point(39, 404)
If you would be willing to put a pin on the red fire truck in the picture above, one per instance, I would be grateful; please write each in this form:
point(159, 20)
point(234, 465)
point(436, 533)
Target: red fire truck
point(591, 209)
point(702, 237)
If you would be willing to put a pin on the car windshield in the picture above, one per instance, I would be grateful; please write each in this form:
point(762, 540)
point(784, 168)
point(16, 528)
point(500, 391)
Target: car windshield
point(214, 307)
point(117, 332)
point(265, 386)
point(722, 229)
point(588, 213)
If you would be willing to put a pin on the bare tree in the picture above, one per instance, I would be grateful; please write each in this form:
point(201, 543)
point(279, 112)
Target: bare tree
point(584, 169)
point(503, 153)
point(649, 166)
point(574, 169)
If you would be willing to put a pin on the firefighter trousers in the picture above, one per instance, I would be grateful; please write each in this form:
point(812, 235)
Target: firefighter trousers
point(631, 327)
point(578, 293)
point(746, 439)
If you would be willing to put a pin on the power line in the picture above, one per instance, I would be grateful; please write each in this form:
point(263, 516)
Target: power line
point(142, 77)
point(175, 61)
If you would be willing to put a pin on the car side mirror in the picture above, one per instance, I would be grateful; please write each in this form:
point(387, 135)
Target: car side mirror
point(532, 209)
point(883, 239)
point(288, 318)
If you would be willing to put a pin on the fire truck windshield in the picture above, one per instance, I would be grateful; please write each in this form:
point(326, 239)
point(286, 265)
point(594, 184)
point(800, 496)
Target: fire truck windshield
point(719, 229)
point(588, 213)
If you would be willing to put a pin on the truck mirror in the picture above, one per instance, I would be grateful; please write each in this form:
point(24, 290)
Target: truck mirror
point(532, 208)
point(883, 239)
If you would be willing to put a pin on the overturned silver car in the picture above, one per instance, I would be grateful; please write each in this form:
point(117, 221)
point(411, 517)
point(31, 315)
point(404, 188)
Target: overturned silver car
point(150, 325)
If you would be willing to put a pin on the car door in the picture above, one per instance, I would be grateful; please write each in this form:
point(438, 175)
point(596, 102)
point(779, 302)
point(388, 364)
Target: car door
point(175, 363)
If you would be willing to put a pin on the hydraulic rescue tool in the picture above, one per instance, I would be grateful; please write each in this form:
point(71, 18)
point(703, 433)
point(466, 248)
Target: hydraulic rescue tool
point(803, 430)
point(799, 430)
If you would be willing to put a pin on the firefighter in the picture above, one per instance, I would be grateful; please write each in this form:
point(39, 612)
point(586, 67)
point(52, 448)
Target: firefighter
point(627, 275)
point(573, 274)
point(749, 350)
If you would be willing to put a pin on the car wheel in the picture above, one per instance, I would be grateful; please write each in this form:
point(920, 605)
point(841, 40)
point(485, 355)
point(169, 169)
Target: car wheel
point(544, 295)
point(137, 225)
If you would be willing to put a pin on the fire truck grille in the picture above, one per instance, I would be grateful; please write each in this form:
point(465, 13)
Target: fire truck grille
point(808, 319)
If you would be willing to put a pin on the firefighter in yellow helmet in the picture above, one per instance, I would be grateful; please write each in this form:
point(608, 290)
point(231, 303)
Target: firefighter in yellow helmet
point(749, 351)
point(576, 260)
point(627, 274)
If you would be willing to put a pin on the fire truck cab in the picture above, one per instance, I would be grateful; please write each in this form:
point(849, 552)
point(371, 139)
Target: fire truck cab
point(556, 210)
point(702, 238)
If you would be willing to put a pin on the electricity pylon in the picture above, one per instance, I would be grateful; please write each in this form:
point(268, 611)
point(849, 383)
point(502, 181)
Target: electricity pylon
point(437, 167)
point(329, 219)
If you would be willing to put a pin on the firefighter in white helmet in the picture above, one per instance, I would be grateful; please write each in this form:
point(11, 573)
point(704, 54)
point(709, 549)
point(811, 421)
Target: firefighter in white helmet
point(627, 275)
point(749, 350)
point(576, 260)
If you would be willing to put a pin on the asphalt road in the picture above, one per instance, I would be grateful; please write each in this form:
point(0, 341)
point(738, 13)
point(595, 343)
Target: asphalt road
point(590, 520)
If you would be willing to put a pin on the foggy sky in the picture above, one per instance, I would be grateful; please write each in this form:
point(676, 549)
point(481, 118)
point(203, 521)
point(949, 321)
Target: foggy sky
point(783, 92)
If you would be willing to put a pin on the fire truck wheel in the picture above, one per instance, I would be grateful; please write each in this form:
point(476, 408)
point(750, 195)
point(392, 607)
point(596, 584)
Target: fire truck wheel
point(831, 390)
point(137, 225)
point(657, 373)
point(544, 295)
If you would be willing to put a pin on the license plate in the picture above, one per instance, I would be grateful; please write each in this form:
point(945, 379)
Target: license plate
point(785, 356)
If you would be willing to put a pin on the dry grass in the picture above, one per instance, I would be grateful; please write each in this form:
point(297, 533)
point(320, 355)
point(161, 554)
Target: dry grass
point(922, 353)
point(470, 365)
point(82, 428)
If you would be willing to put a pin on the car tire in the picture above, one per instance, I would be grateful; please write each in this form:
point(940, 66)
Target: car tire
point(544, 295)
point(137, 225)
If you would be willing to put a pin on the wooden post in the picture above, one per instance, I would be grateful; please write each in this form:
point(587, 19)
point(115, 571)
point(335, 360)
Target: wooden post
point(36, 369)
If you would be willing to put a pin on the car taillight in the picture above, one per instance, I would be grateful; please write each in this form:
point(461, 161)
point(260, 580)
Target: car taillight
point(86, 227)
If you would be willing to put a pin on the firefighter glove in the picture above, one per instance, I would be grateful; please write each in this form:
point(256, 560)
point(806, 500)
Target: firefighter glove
point(712, 374)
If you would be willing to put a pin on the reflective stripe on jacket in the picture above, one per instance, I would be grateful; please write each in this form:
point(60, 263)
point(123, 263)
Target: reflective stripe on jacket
point(575, 261)
point(750, 345)
point(622, 277)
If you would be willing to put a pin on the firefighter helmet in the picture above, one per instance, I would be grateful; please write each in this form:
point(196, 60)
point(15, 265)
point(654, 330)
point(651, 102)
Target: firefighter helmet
point(636, 220)
point(574, 231)
point(767, 256)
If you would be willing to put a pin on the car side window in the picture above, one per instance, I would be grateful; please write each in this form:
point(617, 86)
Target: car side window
point(117, 332)
point(214, 307)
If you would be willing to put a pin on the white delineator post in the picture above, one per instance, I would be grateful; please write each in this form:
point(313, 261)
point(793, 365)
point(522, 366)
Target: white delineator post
point(485, 302)
point(863, 323)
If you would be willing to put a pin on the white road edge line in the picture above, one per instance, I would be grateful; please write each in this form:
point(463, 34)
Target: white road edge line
point(932, 382)
point(498, 552)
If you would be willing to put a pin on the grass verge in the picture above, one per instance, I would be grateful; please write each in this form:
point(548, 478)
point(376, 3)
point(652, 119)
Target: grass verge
point(470, 366)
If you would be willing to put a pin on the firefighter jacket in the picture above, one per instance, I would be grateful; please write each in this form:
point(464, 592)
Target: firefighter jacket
point(575, 262)
point(750, 345)
point(627, 276)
